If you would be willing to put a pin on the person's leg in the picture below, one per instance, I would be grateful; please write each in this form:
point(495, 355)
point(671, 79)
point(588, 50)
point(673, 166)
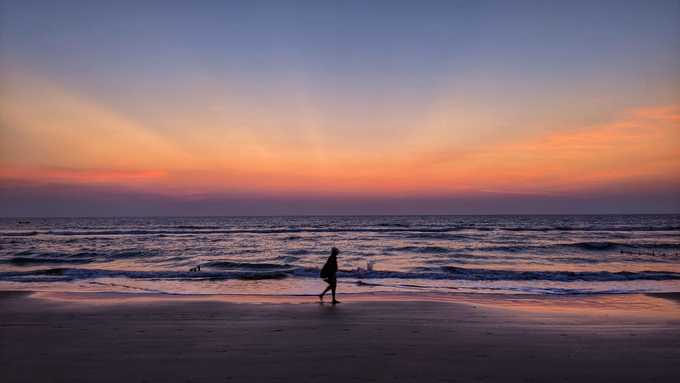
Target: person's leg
point(325, 291)
point(332, 287)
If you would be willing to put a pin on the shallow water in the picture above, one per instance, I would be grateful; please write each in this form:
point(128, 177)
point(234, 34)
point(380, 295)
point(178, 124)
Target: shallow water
point(282, 255)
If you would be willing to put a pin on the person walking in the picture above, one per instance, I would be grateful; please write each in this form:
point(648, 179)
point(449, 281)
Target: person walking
point(328, 272)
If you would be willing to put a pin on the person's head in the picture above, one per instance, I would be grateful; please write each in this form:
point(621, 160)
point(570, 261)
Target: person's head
point(335, 251)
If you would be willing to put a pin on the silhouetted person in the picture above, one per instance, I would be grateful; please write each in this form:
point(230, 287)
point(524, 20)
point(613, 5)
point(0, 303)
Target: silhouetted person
point(328, 274)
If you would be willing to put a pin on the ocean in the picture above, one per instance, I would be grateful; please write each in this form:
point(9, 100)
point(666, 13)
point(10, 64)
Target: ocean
point(511, 254)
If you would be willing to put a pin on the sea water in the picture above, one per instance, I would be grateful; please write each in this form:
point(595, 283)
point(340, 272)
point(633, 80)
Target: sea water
point(511, 254)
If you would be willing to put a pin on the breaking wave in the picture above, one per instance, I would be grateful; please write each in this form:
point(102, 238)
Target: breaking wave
point(262, 271)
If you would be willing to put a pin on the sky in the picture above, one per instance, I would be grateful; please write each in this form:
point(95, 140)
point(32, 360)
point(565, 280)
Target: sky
point(339, 107)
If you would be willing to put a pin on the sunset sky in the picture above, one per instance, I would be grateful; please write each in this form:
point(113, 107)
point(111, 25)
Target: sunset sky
point(339, 107)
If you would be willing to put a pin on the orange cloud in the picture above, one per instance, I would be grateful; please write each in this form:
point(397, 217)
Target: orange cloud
point(81, 176)
point(644, 144)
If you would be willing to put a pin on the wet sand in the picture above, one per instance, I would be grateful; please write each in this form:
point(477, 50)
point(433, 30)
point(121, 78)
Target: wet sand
point(388, 338)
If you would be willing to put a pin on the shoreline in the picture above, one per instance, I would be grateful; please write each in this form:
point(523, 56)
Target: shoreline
point(584, 308)
point(454, 297)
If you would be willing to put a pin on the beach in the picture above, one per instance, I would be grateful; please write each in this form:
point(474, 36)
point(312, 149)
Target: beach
point(489, 188)
point(112, 337)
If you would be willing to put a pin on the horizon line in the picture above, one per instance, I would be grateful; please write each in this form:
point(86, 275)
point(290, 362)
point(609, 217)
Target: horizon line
point(339, 215)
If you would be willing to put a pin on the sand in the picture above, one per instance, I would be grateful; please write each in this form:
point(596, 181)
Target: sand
point(120, 338)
